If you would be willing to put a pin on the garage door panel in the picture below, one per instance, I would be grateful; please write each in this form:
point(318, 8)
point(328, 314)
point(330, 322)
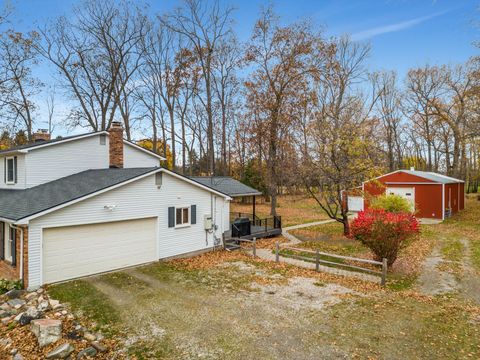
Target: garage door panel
point(75, 251)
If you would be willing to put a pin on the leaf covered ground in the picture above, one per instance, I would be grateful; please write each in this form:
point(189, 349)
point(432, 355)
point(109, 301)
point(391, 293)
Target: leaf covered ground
point(228, 305)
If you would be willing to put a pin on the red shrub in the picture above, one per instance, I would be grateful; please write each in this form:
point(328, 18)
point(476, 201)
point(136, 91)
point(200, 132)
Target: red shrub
point(384, 233)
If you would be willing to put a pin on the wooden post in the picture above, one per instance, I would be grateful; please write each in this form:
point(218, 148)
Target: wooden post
point(317, 261)
point(254, 247)
point(384, 272)
point(277, 251)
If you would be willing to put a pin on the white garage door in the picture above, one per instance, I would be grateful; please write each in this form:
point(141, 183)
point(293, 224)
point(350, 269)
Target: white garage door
point(407, 193)
point(75, 251)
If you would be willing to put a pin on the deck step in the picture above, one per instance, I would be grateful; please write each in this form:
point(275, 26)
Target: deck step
point(231, 247)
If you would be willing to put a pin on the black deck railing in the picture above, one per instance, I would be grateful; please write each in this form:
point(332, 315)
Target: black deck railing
point(258, 227)
point(236, 215)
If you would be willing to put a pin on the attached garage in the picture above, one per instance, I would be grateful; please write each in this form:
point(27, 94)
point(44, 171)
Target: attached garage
point(75, 251)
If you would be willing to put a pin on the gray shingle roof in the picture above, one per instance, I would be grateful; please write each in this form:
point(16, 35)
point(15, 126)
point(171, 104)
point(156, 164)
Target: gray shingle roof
point(226, 185)
point(442, 179)
point(41, 143)
point(18, 204)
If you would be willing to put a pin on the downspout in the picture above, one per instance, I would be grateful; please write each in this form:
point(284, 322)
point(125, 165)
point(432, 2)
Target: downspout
point(21, 250)
point(443, 202)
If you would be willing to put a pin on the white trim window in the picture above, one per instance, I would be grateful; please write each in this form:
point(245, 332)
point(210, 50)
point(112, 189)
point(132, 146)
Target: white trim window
point(11, 170)
point(8, 243)
point(182, 216)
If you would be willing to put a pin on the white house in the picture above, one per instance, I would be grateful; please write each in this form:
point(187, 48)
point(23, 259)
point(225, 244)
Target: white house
point(92, 203)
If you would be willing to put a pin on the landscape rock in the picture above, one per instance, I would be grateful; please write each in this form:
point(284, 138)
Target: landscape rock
point(16, 303)
point(5, 342)
point(73, 335)
point(40, 291)
point(31, 296)
point(14, 293)
point(89, 336)
point(61, 352)
point(5, 306)
point(47, 331)
point(4, 314)
point(88, 352)
point(18, 356)
point(6, 320)
point(98, 346)
point(54, 303)
point(43, 305)
point(29, 315)
point(17, 318)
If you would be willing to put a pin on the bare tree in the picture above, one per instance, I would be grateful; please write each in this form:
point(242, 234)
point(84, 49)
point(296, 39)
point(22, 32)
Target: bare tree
point(284, 60)
point(388, 109)
point(342, 151)
point(18, 86)
point(93, 54)
point(204, 24)
point(226, 87)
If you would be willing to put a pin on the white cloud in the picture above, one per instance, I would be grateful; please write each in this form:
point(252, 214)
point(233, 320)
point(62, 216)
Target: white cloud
point(367, 34)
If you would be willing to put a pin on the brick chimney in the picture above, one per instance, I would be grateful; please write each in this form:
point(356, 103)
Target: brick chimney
point(116, 145)
point(41, 135)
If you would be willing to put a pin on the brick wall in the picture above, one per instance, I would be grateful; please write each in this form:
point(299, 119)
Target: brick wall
point(7, 271)
point(116, 145)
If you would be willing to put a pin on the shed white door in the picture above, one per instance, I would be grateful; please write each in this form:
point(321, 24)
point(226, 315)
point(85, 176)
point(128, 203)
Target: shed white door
point(355, 203)
point(75, 251)
point(405, 192)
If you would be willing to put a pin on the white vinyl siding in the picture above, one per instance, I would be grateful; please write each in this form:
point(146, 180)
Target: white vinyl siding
point(20, 184)
point(75, 251)
point(57, 161)
point(133, 157)
point(139, 199)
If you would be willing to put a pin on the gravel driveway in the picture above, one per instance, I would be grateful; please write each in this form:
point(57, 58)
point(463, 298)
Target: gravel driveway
point(221, 314)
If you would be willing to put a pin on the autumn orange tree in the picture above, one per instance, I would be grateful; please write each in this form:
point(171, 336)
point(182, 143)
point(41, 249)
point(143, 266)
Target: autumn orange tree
point(284, 61)
point(148, 144)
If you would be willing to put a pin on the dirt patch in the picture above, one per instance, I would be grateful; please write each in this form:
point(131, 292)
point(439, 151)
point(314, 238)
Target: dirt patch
point(304, 293)
point(433, 280)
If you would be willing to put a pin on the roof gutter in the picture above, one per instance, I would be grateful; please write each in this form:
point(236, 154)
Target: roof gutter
point(25, 220)
point(13, 152)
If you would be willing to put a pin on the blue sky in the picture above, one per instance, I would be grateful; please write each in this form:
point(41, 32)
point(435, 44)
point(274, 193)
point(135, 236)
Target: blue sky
point(403, 33)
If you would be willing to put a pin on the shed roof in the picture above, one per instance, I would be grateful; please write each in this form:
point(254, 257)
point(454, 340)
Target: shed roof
point(438, 178)
point(226, 185)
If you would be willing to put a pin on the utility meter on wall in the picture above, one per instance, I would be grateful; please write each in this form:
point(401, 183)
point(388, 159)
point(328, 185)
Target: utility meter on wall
point(207, 222)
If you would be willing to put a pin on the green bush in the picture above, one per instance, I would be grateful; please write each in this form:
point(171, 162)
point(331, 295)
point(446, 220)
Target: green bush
point(7, 285)
point(391, 203)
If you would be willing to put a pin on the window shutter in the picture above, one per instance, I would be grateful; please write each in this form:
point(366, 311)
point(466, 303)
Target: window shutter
point(5, 169)
point(14, 247)
point(171, 216)
point(15, 168)
point(2, 240)
point(193, 214)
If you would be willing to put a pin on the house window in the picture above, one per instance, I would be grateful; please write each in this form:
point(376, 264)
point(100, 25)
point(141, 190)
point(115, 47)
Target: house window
point(11, 170)
point(8, 242)
point(182, 216)
point(103, 139)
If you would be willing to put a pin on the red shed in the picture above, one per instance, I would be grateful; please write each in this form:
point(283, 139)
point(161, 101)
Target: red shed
point(432, 195)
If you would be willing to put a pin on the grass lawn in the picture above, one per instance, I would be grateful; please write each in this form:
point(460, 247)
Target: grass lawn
point(329, 238)
point(230, 306)
point(227, 305)
point(294, 209)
